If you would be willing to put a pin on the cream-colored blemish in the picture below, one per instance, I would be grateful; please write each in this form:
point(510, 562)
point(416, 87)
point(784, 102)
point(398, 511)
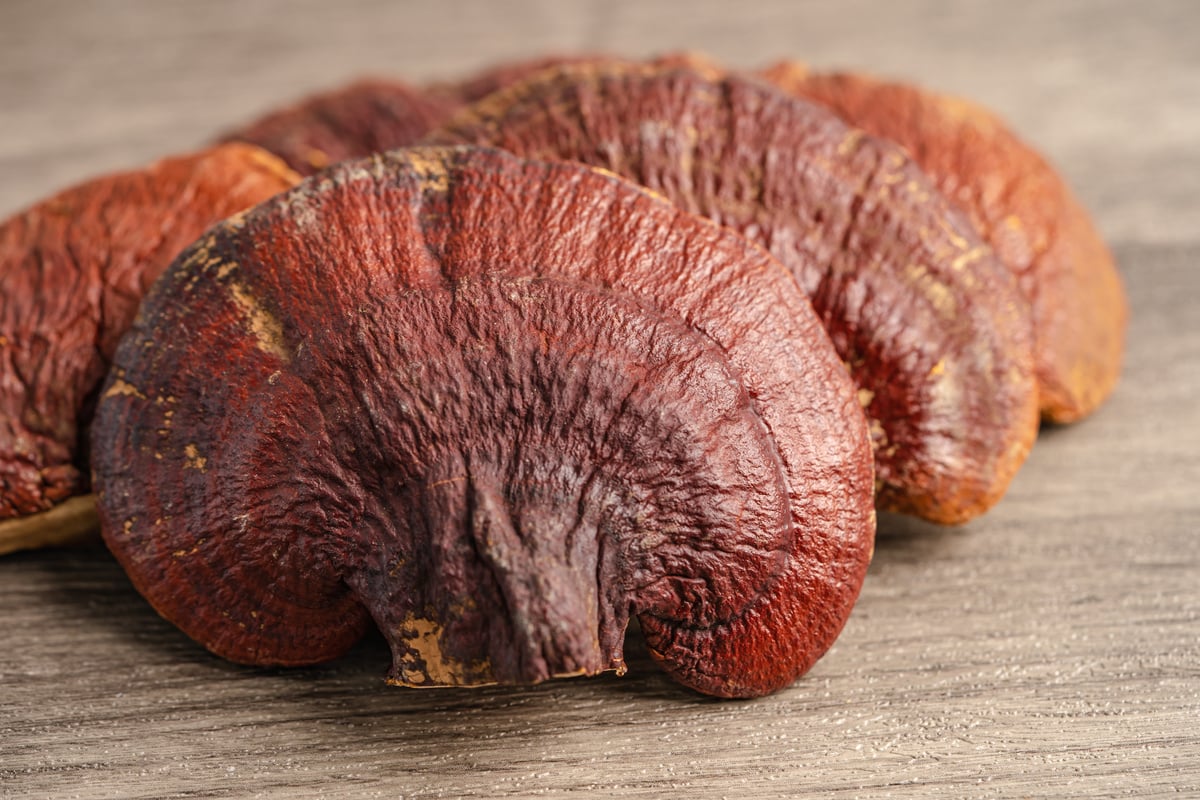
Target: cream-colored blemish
point(127, 526)
point(865, 396)
point(888, 180)
point(445, 481)
point(955, 239)
point(424, 636)
point(849, 142)
point(121, 387)
point(225, 270)
point(194, 459)
point(968, 256)
point(263, 324)
point(318, 159)
point(301, 211)
point(431, 169)
point(165, 430)
point(936, 292)
point(879, 437)
point(575, 673)
point(462, 606)
point(938, 368)
point(273, 378)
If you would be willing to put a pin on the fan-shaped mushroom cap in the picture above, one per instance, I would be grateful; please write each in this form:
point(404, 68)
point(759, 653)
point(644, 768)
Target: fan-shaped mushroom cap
point(495, 406)
point(1020, 205)
point(72, 271)
point(930, 324)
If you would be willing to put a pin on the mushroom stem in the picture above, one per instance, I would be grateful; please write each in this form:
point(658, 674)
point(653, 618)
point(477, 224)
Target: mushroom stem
point(529, 588)
point(72, 522)
point(549, 591)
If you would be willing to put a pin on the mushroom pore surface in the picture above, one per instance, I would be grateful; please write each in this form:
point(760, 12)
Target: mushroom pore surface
point(495, 407)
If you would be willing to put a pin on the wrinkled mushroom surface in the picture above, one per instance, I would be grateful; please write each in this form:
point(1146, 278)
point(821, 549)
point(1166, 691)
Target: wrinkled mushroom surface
point(932, 327)
point(474, 88)
point(1022, 207)
point(72, 272)
point(495, 407)
point(364, 117)
point(377, 114)
point(479, 85)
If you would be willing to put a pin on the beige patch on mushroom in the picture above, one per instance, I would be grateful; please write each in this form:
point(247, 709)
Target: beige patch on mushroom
point(431, 168)
point(266, 328)
point(121, 388)
point(194, 459)
point(424, 636)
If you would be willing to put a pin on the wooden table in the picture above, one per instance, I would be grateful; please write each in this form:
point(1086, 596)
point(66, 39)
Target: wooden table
point(1051, 648)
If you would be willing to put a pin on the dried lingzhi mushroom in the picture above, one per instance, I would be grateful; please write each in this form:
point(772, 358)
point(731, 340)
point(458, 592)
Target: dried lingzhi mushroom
point(374, 115)
point(72, 271)
point(367, 116)
point(497, 407)
point(1022, 208)
point(931, 326)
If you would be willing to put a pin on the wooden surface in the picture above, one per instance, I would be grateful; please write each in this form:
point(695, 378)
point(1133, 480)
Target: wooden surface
point(1050, 649)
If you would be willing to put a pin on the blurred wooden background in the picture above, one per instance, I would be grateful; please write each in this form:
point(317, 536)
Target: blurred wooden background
point(1049, 649)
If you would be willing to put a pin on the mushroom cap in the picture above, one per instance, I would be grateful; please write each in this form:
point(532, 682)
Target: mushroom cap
point(367, 116)
point(476, 87)
point(1020, 205)
point(371, 115)
point(496, 407)
point(73, 269)
point(932, 327)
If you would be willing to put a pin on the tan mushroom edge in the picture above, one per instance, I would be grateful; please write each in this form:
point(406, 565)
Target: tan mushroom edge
point(72, 522)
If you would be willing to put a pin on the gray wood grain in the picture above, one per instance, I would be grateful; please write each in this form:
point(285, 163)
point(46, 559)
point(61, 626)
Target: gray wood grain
point(1050, 649)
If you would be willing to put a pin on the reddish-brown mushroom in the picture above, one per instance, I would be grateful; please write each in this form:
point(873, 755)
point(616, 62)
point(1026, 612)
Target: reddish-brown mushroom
point(374, 115)
point(929, 323)
point(493, 79)
point(1020, 205)
point(479, 85)
point(72, 271)
point(496, 407)
point(367, 116)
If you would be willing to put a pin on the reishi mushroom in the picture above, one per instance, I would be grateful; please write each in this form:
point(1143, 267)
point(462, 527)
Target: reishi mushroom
point(476, 87)
point(372, 115)
point(1020, 205)
point(72, 271)
point(496, 407)
point(367, 116)
point(930, 324)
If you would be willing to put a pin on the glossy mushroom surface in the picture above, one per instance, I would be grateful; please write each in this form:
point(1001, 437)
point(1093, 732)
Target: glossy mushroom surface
point(496, 407)
point(73, 269)
point(1020, 205)
point(931, 326)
